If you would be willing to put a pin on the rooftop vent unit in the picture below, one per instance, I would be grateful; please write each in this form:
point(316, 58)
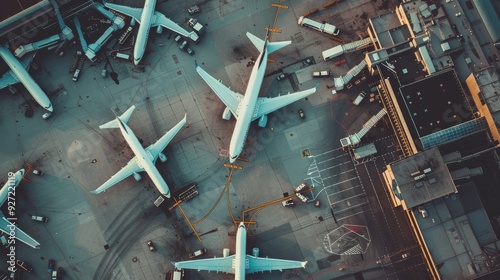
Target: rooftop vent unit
point(413, 174)
point(421, 176)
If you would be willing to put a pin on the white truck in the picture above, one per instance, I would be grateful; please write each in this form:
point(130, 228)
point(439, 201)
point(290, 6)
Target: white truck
point(197, 27)
point(359, 98)
point(365, 151)
point(321, 27)
point(177, 274)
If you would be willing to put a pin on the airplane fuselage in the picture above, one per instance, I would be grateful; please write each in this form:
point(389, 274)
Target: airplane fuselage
point(240, 256)
point(144, 158)
point(10, 185)
point(246, 108)
point(143, 33)
point(24, 77)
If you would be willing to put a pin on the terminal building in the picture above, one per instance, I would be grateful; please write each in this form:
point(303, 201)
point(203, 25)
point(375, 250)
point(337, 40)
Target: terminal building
point(439, 86)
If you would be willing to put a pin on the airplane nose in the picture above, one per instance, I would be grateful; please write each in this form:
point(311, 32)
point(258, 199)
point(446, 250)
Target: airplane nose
point(136, 61)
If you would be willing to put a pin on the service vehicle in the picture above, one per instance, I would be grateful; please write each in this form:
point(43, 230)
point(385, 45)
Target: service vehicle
point(364, 151)
point(190, 51)
point(197, 253)
point(359, 98)
point(46, 116)
point(39, 219)
point(281, 76)
point(288, 202)
point(177, 274)
point(197, 27)
point(37, 172)
point(321, 27)
point(183, 45)
point(322, 73)
point(193, 9)
point(76, 75)
point(51, 265)
point(300, 187)
point(301, 114)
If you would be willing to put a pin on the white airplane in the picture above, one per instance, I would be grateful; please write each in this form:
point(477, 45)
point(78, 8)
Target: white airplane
point(249, 107)
point(19, 73)
point(240, 263)
point(147, 17)
point(8, 225)
point(144, 159)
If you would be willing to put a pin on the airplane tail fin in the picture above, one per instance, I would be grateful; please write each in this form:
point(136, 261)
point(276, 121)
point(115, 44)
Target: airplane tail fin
point(271, 46)
point(124, 118)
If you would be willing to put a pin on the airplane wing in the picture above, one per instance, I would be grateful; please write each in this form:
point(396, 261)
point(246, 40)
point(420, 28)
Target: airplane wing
point(156, 148)
point(266, 264)
point(161, 19)
point(19, 234)
point(131, 167)
point(9, 78)
point(224, 264)
point(267, 105)
point(126, 10)
point(230, 98)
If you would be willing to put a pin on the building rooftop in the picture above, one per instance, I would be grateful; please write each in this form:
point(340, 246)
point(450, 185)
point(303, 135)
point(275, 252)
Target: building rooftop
point(421, 178)
point(434, 103)
point(487, 80)
point(388, 30)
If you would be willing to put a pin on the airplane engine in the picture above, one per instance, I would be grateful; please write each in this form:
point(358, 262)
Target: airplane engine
point(132, 22)
point(159, 29)
point(263, 121)
point(137, 176)
point(255, 252)
point(162, 157)
point(227, 114)
point(225, 252)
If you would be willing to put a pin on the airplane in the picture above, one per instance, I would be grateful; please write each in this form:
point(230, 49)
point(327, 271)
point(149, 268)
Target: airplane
point(249, 107)
point(144, 159)
point(7, 224)
point(147, 17)
point(19, 73)
point(240, 263)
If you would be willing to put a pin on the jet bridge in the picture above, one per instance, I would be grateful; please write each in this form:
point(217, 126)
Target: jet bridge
point(91, 49)
point(65, 35)
point(355, 139)
point(45, 43)
point(342, 80)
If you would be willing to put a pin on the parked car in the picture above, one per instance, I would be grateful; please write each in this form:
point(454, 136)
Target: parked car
point(301, 114)
point(24, 265)
point(39, 218)
point(150, 245)
point(51, 265)
point(183, 45)
point(197, 253)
